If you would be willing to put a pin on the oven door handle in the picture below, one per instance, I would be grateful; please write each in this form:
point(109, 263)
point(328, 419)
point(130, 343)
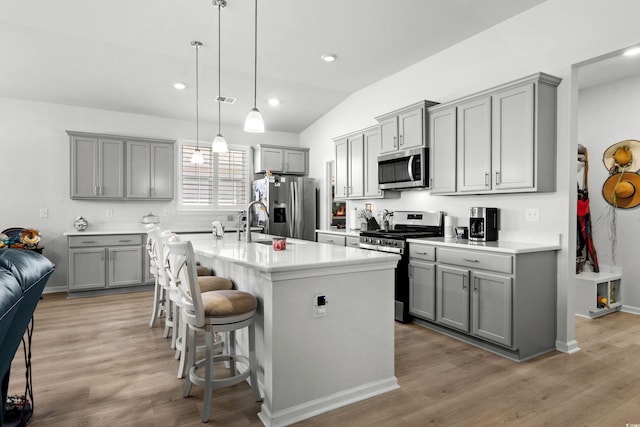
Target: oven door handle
point(410, 168)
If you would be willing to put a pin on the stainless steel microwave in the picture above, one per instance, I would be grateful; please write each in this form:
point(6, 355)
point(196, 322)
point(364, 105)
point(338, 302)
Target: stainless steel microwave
point(405, 169)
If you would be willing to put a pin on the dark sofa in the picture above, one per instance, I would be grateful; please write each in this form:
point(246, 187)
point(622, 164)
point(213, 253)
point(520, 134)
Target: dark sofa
point(23, 275)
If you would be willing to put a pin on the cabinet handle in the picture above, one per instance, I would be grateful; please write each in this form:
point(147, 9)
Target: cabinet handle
point(410, 271)
point(497, 177)
point(422, 253)
point(329, 241)
point(470, 260)
point(88, 241)
point(395, 144)
point(124, 240)
point(486, 179)
point(102, 256)
point(430, 182)
point(101, 190)
point(475, 285)
point(401, 140)
point(95, 190)
point(465, 281)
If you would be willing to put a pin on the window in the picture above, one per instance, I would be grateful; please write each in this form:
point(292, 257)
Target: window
point(221, 182)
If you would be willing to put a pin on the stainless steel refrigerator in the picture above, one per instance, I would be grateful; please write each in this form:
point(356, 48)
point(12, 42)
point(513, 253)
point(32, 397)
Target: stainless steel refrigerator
point(291, 202)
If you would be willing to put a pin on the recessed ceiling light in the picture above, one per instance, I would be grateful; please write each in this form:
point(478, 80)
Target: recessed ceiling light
point(274, 102)
point(179, 86)
point(329, 57)
point(632, 51)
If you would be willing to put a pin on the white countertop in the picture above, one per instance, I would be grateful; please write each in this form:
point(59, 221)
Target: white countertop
point(299, 255)
point(341, 232)
point(497, 246)
point(143, 229)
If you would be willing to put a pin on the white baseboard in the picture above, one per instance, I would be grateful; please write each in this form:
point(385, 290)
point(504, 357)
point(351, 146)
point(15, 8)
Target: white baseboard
point(630, 309)
point(567, 347)
point(315, 407)
point(55, 289)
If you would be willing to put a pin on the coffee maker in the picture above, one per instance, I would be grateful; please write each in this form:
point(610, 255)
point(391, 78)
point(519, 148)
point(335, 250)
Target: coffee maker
point(483, 224)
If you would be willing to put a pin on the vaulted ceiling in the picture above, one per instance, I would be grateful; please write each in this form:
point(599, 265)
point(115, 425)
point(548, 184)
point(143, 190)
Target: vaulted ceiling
point(125, 55)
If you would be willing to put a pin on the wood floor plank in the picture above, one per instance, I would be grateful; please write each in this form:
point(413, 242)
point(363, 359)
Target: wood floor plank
point(97, 363)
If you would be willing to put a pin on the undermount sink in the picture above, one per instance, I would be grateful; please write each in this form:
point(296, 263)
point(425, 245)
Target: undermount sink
point(270, 242)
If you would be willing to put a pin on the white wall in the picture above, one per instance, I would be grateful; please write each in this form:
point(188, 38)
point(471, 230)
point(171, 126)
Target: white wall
point(609, 114)
point(34, 160)
point(551, 38)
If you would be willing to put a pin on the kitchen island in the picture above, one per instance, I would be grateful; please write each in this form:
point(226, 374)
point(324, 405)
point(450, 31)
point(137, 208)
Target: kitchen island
point(312, 360)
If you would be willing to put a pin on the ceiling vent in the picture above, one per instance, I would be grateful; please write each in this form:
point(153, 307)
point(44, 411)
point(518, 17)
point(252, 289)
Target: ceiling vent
point(226, 99)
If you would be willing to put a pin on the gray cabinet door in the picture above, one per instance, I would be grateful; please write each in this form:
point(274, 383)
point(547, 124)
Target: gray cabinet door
point(84, 167)
point(422, 290)
point(271, 159)
point(492, 307)
point(162, 176)
point(356, 166)
point(138, 170)
point(452, 297)
point(87, 269)
point(474, 145)
point(371, 152)
point(513, 138)
point(411, 129)
point(125, 266)
point(111, 167)
point(442, 151)
point(389, 135)
point(295, 162)
point(342, 169)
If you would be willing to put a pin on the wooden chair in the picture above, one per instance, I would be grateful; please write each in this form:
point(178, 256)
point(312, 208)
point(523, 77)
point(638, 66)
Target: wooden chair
point(210, 313)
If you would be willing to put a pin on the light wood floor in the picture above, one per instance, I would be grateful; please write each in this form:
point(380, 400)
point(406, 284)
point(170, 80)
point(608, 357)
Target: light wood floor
point(97, 363)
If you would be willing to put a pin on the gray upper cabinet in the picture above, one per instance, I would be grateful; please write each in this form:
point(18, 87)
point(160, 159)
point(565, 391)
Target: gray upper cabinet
point(120, 167)
point(149, 170)
point(287, 160)
point(356, 174)
point(442, 150)
point(505, 139)
point(404, 128)
point(371, 152)
point(474, 145)
point(97, 167)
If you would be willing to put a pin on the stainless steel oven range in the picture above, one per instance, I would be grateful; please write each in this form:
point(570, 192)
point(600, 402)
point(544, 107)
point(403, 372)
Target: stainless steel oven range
point(407, 225)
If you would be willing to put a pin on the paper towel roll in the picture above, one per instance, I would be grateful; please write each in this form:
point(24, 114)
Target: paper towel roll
point(449, 226)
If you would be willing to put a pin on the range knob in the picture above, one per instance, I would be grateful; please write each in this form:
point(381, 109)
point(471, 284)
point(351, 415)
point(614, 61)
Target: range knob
point(378, 241)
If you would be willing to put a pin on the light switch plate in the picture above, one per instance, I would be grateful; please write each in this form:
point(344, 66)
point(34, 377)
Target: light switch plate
point(44, 212)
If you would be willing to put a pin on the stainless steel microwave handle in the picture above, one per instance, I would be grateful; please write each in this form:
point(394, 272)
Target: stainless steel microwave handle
point(410, 168)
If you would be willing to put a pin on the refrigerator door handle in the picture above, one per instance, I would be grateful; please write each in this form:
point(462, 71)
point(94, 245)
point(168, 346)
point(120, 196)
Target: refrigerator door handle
point(292, 209)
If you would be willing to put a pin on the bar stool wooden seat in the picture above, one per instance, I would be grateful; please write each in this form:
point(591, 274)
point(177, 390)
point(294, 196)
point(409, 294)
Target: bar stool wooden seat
point(211, 313)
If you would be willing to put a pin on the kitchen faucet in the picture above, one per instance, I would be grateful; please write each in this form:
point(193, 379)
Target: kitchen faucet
point(242, 216)
point(255, 202)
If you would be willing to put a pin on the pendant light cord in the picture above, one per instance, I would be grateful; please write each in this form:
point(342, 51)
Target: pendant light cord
point(255, 57)
point(197, 44)
point(219, 43)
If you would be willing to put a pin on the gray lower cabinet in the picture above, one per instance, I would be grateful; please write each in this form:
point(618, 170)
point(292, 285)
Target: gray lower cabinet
point(105, 261)
point(331, 239)
point(503, 302)
point(422, 289)
point(491, 309)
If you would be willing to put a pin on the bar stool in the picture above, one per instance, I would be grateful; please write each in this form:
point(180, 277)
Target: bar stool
point(213, 312)
point(161, 303)
point(206, 283)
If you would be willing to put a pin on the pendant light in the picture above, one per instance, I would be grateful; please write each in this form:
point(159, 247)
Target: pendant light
point(254, 122)
point(197, 156)
point(219, 143)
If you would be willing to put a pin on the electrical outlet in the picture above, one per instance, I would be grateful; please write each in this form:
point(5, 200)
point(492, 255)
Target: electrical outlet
point(109, 213)
point(532, 215)
point(320, 305)
point(44, 212)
